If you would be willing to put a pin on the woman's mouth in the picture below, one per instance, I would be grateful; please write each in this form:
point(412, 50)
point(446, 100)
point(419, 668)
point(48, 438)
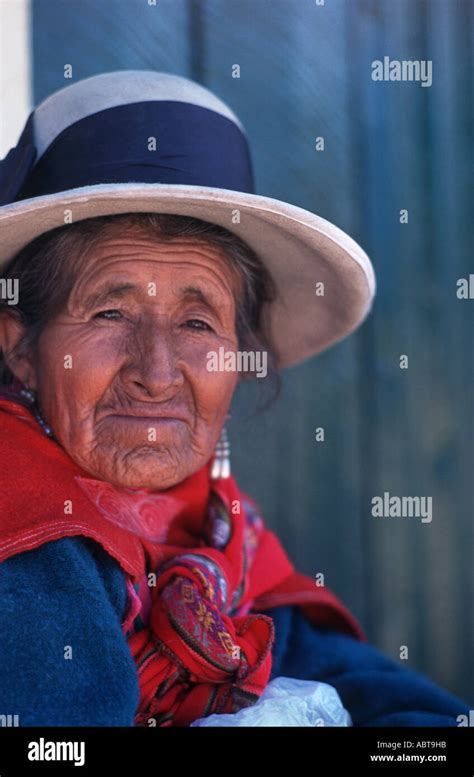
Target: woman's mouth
point(146, 419)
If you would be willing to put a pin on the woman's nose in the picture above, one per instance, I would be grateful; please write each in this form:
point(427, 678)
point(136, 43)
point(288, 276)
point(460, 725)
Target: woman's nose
point(153, 370)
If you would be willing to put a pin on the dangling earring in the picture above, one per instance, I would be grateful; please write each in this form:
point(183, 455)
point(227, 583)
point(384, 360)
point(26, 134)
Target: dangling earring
point(221, 463)
point(30, 397)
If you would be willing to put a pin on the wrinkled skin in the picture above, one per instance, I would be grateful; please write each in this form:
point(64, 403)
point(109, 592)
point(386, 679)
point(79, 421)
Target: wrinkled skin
point(138, 360)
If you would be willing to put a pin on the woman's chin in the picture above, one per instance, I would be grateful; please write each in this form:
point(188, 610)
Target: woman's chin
point(144, 468)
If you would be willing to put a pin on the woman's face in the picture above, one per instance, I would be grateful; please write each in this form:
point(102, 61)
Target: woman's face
point(121, 373)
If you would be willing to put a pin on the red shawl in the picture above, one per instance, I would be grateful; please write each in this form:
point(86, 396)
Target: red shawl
point(206, 648)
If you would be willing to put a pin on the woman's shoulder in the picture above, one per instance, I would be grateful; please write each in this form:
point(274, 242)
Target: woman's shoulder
point(65, 564)
point(61, 637)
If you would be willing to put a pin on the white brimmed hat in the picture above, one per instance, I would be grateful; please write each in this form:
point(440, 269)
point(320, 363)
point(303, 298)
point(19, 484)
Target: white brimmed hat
point(145, 141)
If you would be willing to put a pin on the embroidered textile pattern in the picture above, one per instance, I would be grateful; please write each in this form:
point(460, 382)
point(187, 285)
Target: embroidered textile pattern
point(210, 655)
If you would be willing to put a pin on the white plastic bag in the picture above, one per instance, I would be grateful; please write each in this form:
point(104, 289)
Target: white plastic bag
point(288, 702)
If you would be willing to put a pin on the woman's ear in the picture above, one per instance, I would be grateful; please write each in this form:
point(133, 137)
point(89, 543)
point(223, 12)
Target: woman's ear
point(16, 355)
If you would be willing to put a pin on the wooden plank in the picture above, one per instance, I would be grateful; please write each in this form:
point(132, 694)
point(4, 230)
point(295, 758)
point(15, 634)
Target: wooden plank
point(389, 181)
point(96, 37)
point(449, 553)
point(412, 158)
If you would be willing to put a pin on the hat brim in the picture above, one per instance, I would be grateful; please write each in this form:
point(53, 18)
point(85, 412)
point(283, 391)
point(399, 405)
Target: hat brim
point(299, 249)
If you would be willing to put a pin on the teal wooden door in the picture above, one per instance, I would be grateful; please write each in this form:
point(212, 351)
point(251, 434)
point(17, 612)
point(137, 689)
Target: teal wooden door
point(305, 73)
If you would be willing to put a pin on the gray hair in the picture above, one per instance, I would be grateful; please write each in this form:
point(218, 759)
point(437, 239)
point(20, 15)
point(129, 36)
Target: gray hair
point(48, 267)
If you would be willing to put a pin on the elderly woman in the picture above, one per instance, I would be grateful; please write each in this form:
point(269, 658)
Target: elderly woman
point(139, 585)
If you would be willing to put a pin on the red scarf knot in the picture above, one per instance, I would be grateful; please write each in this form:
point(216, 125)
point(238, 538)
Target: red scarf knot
point(218, 663)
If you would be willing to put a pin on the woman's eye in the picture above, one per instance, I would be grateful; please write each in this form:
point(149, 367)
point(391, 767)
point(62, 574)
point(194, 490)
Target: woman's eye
point(197, 323)
point(109, 314)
